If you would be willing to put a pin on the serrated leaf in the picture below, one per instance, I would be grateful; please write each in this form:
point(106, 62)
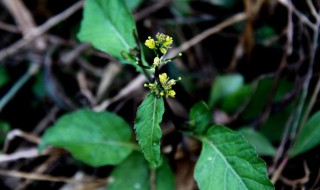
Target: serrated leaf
point(260, 142)
point(308, 137)
point(132, 174)
point(149, 116)
point(200, 117)
point(227, 161)
point(94, 138)
point(108, 25)
point(223, 86)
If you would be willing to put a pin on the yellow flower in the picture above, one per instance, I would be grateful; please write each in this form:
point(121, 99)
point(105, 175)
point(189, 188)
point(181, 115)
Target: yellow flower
point(171, 93)
point(150, 43)
point(167, 42)
point(163, 78)
point(156, 61)
point(163, 50)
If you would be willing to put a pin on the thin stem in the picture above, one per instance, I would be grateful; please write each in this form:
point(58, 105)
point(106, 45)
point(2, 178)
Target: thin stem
point(17, 86)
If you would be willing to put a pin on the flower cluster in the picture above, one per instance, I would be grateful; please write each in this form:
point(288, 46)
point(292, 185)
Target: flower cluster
point(165, 86)
point(162, 85)
point(163, 43)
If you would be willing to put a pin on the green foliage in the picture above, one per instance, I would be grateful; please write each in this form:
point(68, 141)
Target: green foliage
point(165, 177)
point(223, 3)
point(133, 4)
point(38, 87)
point(308, 137)
point(260, 97)
point(260, 142)
point(149, 116)
point(4, 129)
point(108, 25)
point(227, 161)
point(237, 99)
point(200, 117)
point(134, 173)
point(4, 77)
point(94, 138)
point(254, 97)
point(223, 86)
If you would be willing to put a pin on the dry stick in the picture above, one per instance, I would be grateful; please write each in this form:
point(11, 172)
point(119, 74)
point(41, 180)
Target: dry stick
point(24, 19)
point(41, 177)
point(153, 8)
point(33, 34)
point(317, 88)
point(9, 28)
point(217, 28)
point(282, 66)
point(140, 79)
point(33, 69)
point(298, 123)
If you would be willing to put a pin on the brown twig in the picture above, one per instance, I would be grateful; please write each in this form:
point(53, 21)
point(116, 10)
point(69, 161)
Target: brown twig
point(34, 33)
point(41, 177)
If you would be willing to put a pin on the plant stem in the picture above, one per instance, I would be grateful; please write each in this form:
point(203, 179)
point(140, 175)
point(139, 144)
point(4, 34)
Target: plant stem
point(33, 69)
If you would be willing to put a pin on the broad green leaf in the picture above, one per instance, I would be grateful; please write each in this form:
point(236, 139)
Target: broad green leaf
point(275, 124)
point(308, 137)
point(132, 174)
point(236, 100)
point(133, 4)
point(94, 138)
point(165, 177)
point(200, 117)
point(223, 86)
point(4, 77)
point(227, 161)
point(260, 142)
point(260, 97)
point(149, 116)
point(108, 25)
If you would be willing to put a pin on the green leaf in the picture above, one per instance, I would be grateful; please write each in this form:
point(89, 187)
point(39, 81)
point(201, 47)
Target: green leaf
point(38, 87)
point(227, 161)
point(236, 100)
point(165, 177)
point(200, 117)
point(94, 138)
point(4, 77)
point(4, 129)
point(260, 97)
point(133, 4)
point(260, 142)
point(223, 3)
point(108, 25)
point(308, 137)
point(132, 174)
point(149, 116)
point(223, 86)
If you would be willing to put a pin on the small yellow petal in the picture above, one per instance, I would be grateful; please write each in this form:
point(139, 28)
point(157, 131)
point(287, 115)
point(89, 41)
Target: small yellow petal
point(150, 43)
point(163, 50)
point(163, 78)
point(171, 93)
